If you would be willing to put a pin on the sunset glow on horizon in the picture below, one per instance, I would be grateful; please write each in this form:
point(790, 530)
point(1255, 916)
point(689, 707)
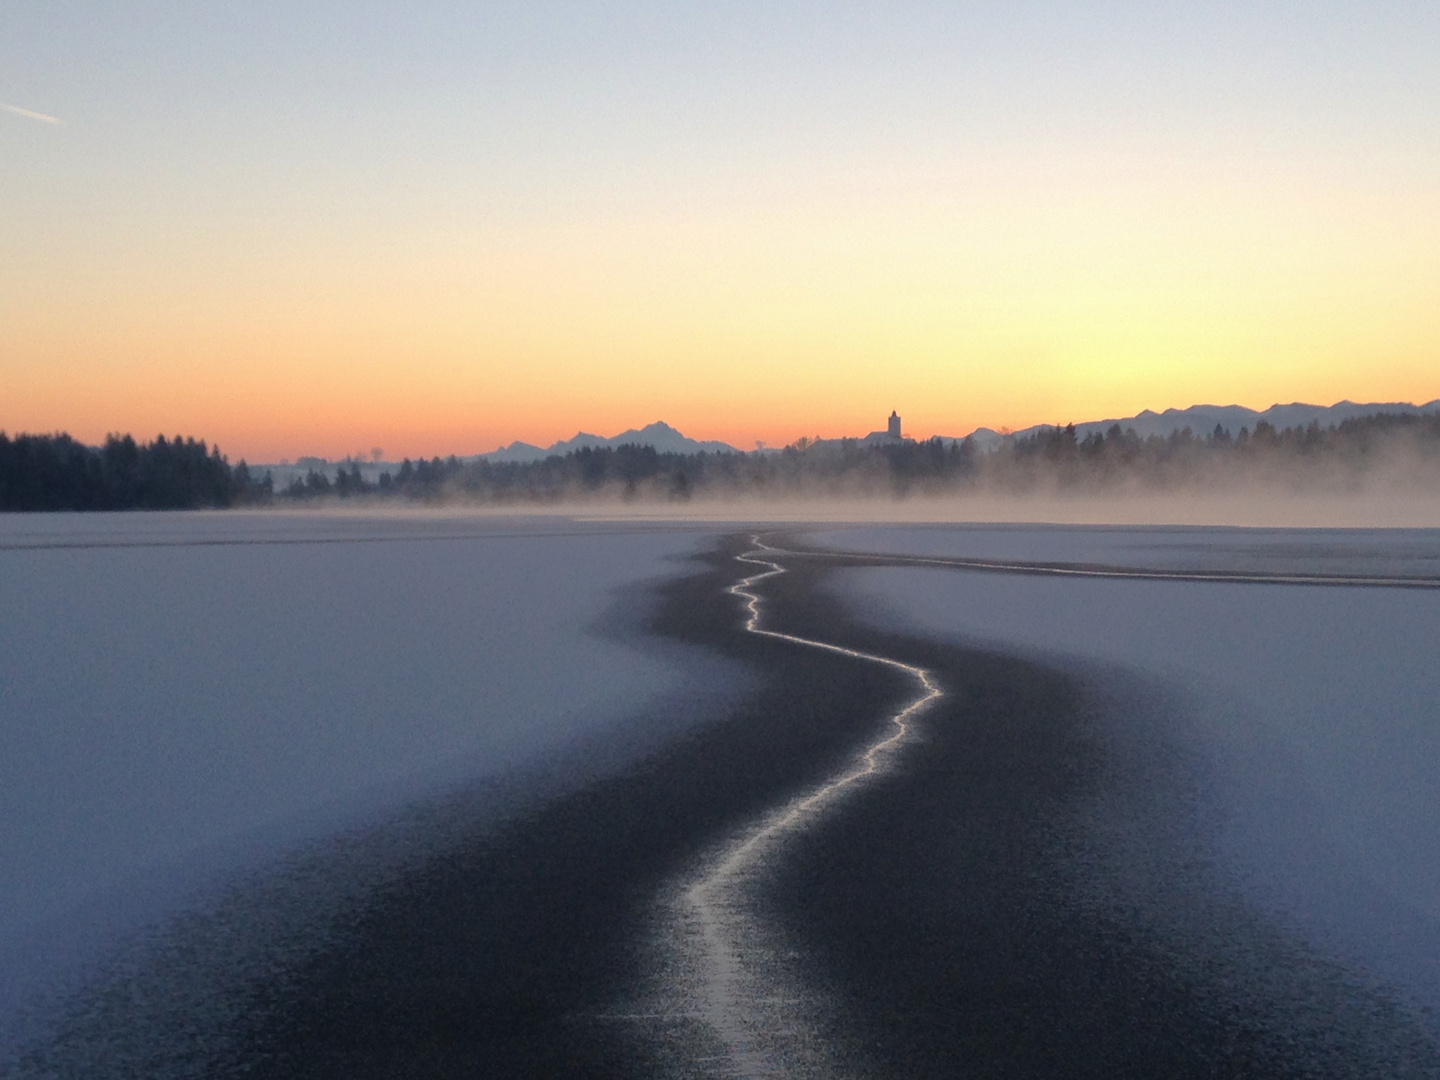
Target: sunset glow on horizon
point(437, 230)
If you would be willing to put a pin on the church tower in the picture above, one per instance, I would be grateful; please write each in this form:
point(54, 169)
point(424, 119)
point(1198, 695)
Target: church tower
point(894, 428)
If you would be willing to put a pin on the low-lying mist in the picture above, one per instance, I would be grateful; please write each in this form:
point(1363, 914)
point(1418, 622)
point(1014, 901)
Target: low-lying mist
point(1380, 470)
point(1375, 470)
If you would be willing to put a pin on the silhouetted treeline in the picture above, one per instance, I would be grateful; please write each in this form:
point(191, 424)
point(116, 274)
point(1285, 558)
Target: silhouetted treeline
point(626, 469)
point(1387, 449)
point(55, 472)
point(1395, 449)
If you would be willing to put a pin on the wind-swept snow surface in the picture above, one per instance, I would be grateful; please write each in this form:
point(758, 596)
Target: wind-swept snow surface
point(1309, 716)
point(186, 696)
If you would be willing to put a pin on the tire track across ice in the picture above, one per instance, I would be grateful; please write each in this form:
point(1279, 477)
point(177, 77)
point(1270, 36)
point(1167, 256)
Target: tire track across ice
point(721, 938)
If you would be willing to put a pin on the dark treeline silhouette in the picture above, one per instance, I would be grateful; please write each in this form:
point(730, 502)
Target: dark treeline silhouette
point(55, 472)
point(630, 469)
point(1391, 449)
point(1386, 448)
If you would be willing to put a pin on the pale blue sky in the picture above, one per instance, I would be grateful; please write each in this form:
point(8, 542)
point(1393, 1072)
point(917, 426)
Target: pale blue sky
point(635, 95)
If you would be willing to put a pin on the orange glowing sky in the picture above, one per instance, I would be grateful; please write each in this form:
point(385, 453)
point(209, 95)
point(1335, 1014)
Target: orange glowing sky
point(324, 231)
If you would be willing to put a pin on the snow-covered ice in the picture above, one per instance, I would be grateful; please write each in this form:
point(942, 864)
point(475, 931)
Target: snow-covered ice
point(1316, 711)
point(182, 695)
point(1377, 552)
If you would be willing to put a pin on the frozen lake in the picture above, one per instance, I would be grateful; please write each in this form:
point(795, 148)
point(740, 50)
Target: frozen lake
point(1311, 715)
point(223, 732)
point(1375, 552)
point(187, 697)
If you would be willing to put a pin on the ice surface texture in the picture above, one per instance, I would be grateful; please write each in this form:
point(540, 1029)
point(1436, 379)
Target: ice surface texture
point(1316, 710)
point(1341, 552)
point(180, 692)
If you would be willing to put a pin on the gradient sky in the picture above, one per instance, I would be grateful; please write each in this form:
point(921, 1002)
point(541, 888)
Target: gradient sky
point(437, 227)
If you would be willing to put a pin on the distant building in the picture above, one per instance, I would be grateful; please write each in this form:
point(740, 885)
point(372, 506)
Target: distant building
point(888, 437)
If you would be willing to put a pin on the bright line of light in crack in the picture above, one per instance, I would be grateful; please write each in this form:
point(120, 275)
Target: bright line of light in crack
point(729, 1008)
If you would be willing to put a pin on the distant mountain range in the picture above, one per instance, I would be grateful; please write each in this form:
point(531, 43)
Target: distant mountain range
point(1203, 419)
point(661, 436)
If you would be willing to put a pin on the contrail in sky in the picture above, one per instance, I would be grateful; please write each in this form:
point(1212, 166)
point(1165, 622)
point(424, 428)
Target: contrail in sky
point(31, 115)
